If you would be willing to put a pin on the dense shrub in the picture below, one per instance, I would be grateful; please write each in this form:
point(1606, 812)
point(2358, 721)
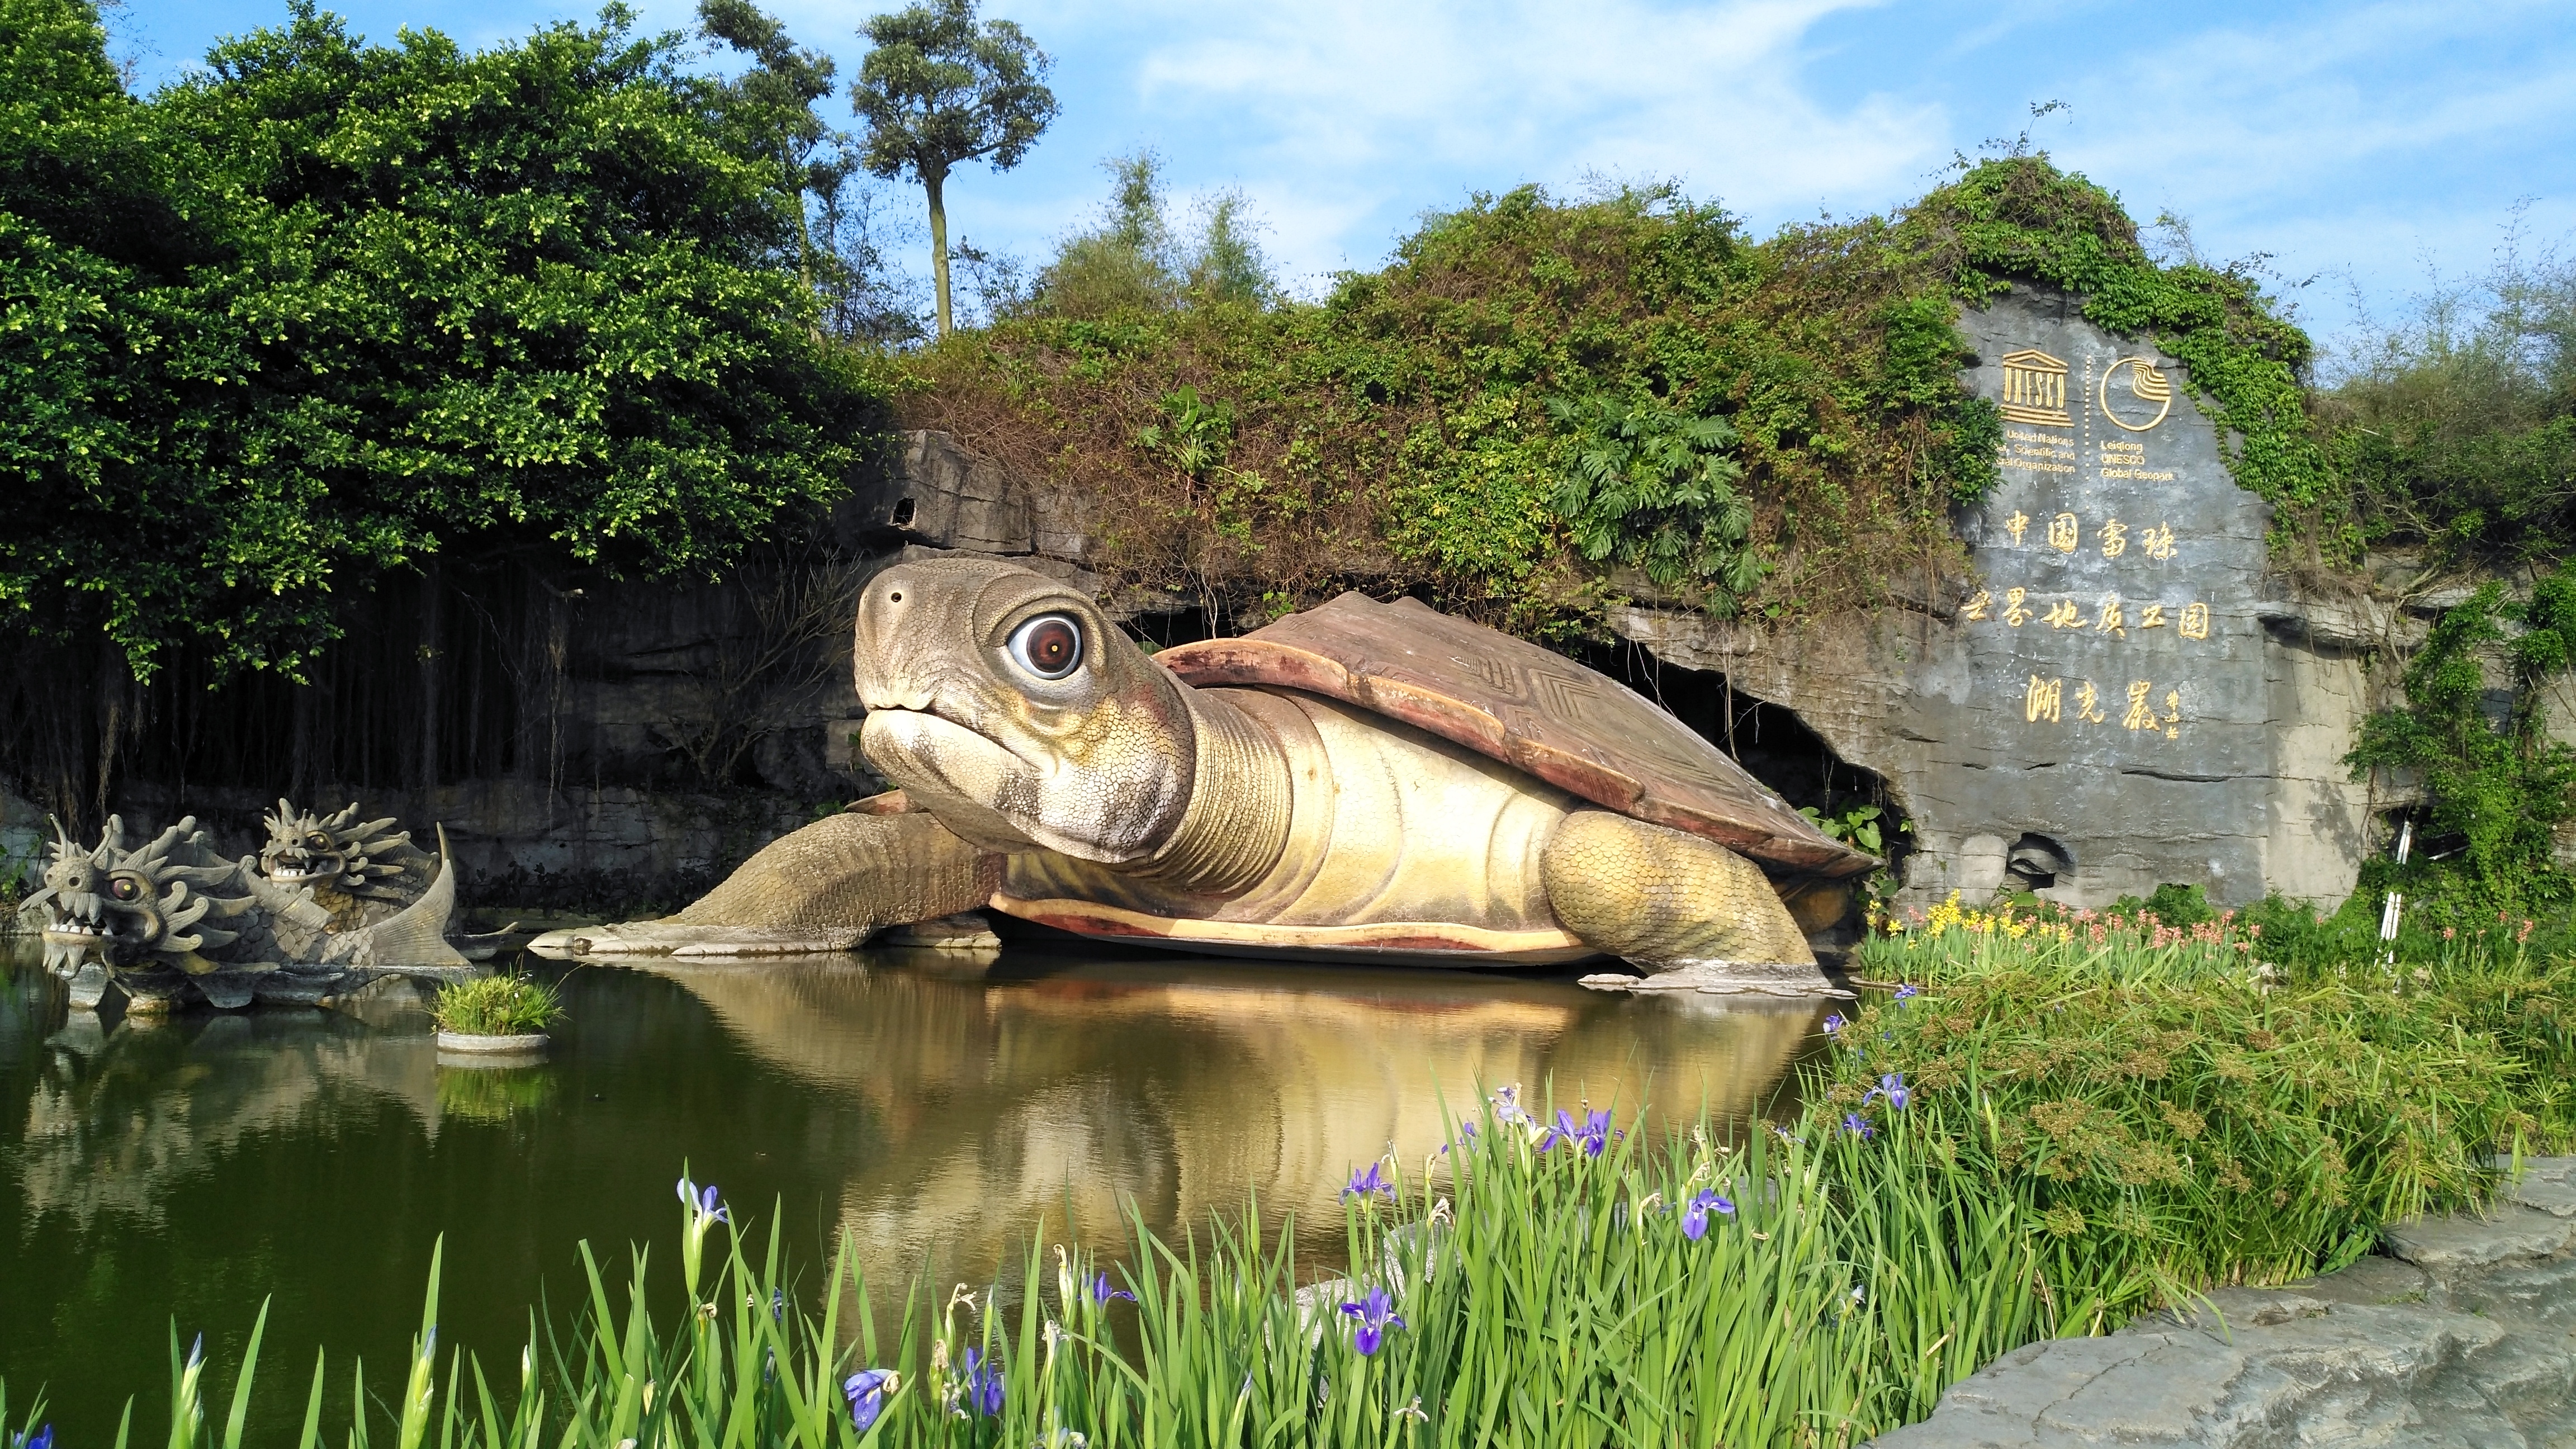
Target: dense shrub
point(1543, 405)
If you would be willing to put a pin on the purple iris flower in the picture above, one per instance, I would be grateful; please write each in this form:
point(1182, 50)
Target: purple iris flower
point(1466, 1136)
point(1858, 1125)
point(1592, 1135)
point(1906, 993)
point(1507, 1106)
point(43, 1438)
point(1369, 1180)
point(1893, 1088)
point(1376, 1314)
point(867, 1390)
point(1695, 1213)
point(1101, 1292)
point(979, 1382)
point(706, 1202)
point(1833, 1022)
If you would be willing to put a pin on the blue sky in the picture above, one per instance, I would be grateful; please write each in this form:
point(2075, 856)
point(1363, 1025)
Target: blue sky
point(2369, 147)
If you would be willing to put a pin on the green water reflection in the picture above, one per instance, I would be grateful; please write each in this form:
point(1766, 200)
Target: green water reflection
point(933, 1109)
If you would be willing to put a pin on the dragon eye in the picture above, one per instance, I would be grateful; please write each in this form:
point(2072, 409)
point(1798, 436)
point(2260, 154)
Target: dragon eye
point(317, 838)
point(1048, 646)
point(125, 888)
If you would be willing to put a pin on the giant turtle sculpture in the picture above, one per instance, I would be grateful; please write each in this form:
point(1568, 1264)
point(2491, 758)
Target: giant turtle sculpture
point(1362, 781)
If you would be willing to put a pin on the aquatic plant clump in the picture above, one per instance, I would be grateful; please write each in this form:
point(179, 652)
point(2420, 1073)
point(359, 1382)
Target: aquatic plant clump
point(501, 1005)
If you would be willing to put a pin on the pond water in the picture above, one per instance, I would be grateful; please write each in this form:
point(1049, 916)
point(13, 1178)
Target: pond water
point(933, 1107)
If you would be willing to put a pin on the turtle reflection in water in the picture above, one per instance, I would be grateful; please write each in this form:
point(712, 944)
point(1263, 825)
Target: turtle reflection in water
point(1362, 781)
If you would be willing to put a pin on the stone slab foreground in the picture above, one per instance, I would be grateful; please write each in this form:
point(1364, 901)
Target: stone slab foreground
point(2463, 1334)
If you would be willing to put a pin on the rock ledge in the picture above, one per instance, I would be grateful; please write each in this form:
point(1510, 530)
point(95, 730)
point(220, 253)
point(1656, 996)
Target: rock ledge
point(2463, 1334)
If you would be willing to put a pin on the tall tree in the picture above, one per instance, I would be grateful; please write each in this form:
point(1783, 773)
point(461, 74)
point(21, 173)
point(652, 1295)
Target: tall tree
point(326, 309)
point(774, 99)
point(937, 90)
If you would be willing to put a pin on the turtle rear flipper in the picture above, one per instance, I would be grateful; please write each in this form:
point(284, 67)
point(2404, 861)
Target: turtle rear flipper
point(1693, 913)
point(826, 887)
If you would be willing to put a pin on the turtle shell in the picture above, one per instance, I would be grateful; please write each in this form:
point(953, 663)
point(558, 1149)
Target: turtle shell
point(1574, 727)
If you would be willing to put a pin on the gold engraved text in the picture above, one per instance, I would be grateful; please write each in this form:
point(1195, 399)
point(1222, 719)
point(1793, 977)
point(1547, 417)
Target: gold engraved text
point(2195, 622)
point(2063, 533)
point(2015, 525)
point(2062, 615)
point(2088, 703)
point(2141, 715)
point(1977, 605)
point(2158, 542)
point(2107, 619)
point(2044, 700)
point(2115, 538)
point(2014, 613)
point(2151, 616)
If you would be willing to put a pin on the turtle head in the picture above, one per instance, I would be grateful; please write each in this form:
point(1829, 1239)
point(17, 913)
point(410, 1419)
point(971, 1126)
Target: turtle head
point(1010, 708)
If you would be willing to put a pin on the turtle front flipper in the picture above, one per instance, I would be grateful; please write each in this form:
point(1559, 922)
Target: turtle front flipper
point(823, 888)
point(1693, 913)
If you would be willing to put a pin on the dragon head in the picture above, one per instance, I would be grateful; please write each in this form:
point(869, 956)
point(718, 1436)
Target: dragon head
point(136, 908)
point(338, 852)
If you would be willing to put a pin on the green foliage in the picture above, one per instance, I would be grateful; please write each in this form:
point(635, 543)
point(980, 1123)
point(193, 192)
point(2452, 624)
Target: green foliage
point(1857, 824)
point(2197, 1110)
point(1193, 436)
point(2495, 781)
point(1653, 487)
point(497, 1005)
point(1541, 406)
point(937, 91)
point(400, 301)
point(1134, 259)
point(1766, 423)
point(2457, 427)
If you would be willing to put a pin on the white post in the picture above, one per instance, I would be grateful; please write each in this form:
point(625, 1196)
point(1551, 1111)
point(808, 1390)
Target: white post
point(2390, 909)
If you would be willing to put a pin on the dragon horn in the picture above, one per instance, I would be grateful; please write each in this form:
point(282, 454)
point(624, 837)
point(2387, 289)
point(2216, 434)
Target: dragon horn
point(178, 912)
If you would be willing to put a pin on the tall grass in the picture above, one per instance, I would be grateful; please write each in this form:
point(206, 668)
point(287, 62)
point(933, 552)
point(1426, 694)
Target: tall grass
point(1808, 1286)
point(2180, 1104)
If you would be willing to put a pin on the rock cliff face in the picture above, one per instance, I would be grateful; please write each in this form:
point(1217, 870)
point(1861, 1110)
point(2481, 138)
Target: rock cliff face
point(2122, 693)
point(2463, 1334)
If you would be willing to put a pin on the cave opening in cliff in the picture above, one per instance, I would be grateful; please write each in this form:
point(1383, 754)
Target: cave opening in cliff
point(1773, 744)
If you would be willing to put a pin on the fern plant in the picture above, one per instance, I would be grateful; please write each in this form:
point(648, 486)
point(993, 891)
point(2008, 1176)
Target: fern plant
point(1653, 486)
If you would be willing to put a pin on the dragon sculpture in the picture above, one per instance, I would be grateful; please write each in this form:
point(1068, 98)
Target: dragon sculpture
point(173, 922)
point(362, 872)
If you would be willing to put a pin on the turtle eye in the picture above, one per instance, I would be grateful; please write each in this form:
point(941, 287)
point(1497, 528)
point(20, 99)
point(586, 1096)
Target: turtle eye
point(125, 888)
point(1048, 646)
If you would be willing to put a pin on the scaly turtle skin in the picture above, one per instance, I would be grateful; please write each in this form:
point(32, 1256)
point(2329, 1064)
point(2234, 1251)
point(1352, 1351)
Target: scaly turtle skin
point(1051, 769)
point(172, 922)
